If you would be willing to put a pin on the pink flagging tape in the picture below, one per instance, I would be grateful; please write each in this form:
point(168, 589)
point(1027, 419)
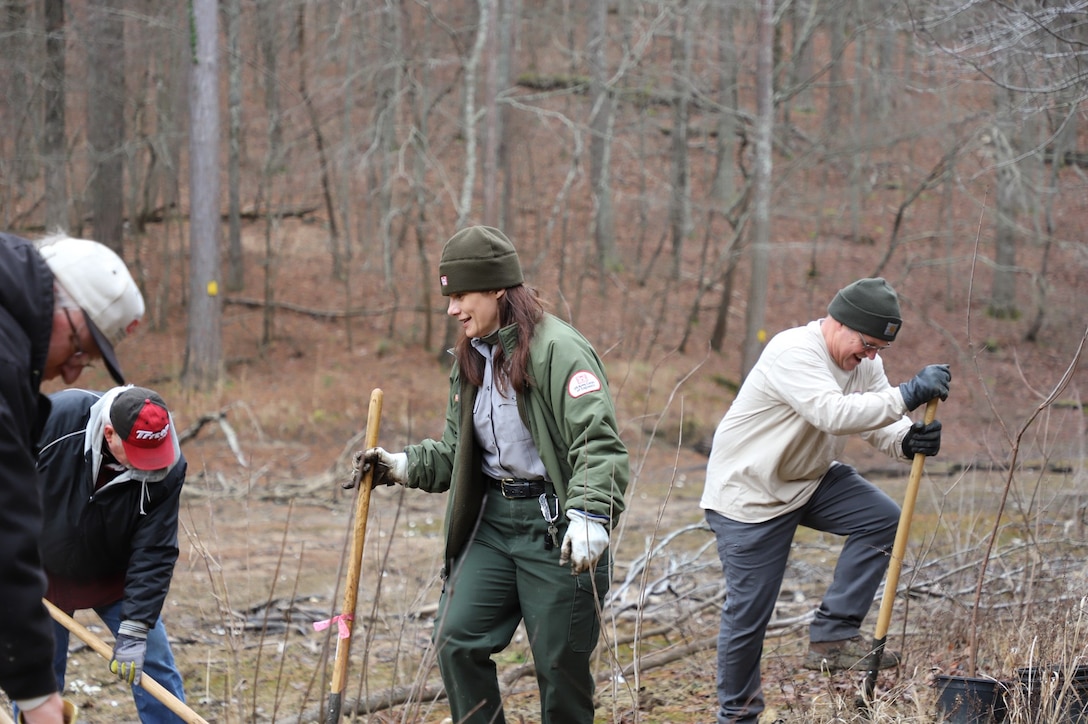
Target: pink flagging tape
point(341, 621)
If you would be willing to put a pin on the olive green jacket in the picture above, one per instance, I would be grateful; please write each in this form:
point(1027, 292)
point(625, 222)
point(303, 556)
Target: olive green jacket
point(570, 414)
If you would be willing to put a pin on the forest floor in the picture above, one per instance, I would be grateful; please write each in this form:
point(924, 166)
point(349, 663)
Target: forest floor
point(265, 527)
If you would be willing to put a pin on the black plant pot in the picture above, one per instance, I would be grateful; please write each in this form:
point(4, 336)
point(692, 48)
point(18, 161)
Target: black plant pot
point(969, 700)
point(1053, 695)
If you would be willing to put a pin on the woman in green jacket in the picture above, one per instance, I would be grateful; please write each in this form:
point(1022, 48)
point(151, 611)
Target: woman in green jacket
point(534, 490)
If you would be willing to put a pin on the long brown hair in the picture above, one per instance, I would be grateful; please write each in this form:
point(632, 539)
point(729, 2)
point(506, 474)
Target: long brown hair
point(520, 306)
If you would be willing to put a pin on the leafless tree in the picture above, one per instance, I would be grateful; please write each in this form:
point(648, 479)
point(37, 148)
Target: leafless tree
point(755, 334)
point(1034, 56)
point(235, 278)
point(680, 198)
point(54, 141)
point(20, 120)
point(469, 114)
point(601, 115)
point(203, 350)
point(106, 119)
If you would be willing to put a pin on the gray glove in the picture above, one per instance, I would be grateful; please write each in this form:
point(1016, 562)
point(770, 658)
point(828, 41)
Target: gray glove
point(923, 438)
point(931, 382)
point(129, 651)
point(391, 468)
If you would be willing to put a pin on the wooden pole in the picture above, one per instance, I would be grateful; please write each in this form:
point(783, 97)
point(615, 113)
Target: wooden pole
point(351, 588)
point(151, 686)
point(902, 533)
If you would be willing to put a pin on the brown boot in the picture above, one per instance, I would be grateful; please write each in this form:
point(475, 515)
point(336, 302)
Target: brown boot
point(848, 654)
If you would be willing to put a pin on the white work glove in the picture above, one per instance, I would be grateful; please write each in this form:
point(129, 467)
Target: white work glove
point(129, 651)
point(585, 541)
point(391, 468)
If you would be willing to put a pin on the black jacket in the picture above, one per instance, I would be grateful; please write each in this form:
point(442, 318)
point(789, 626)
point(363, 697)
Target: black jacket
point(128, 526)
point(26, 324)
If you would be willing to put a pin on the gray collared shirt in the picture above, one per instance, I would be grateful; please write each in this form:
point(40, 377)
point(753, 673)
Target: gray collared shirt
point(508, 447)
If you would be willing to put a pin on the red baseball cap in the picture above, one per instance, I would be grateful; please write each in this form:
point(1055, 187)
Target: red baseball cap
point(141, 419)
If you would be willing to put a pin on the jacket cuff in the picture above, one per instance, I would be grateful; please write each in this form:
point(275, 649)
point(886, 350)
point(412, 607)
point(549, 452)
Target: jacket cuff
point(135, 629)
point(596, 517)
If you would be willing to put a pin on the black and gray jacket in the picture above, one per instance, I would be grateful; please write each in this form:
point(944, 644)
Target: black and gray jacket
point(26, 324)
point(130, 525)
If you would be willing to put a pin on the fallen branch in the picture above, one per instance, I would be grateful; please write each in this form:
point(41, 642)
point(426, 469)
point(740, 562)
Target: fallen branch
point(315, 313)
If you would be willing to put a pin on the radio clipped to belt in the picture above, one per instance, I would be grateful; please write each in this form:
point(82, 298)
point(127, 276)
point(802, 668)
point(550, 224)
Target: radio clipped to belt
point(551, 540)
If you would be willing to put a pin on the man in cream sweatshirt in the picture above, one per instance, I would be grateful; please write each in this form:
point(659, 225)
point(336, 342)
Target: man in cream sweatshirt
point(774, 466)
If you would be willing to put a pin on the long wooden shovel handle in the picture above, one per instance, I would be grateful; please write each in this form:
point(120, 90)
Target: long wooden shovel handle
point(100, 647)
point(902, 534)
point(351, 588)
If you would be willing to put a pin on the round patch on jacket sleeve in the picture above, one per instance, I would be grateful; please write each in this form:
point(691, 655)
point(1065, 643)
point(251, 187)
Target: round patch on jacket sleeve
point(582, 383)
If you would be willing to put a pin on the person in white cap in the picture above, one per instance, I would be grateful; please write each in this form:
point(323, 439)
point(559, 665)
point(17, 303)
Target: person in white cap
point(112, 473)
point(63, 303)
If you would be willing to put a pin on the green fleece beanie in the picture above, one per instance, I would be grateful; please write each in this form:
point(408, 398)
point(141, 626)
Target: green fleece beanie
point(478, 259)
point(869, 306)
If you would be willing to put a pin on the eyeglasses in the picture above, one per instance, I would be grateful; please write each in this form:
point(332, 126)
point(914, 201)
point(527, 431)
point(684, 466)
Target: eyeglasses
point(870, 347)
point(83, 359)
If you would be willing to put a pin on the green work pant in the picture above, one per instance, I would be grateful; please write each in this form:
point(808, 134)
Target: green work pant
point(506, 574)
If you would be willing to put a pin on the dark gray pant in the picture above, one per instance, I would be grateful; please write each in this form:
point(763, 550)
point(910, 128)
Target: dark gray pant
point(753, 557)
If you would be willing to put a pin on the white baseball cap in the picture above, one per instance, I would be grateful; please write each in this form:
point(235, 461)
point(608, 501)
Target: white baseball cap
point(100, 283)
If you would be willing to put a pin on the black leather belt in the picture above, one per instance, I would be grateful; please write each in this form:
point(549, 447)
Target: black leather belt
point(514, 489)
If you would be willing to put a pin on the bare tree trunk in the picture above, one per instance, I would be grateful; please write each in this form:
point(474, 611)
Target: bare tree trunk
point(236, 279)
point(335, 250)
point(421, 105)
point(471, 68)
point(838, 94)
point(755, 334)
point(23, 119)
point(1008, 205)
point(490, 187)
point(804, 17)
point(23, 112)
point(268, 40)
point(602, 111)
point(507, 31)
point(387, 92)
point(106, 119)
point(54, 148)
point(203, 350)
point(679, 212)
point(722, 185)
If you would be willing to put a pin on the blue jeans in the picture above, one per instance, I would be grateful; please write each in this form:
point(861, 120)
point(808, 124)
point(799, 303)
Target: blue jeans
point(159, 665)
point(754, 557)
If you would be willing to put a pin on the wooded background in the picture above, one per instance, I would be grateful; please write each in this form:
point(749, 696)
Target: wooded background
point(699, 148)
point(682, 180)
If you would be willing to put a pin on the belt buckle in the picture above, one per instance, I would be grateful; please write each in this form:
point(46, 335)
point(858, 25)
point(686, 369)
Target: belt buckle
point(503, 482)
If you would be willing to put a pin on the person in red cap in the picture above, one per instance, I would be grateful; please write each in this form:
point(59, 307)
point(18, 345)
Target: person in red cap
point(64, 302)
point(112, 473)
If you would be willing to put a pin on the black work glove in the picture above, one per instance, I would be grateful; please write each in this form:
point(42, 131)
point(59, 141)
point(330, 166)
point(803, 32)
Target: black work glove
point(923, 438)
point(931, 382)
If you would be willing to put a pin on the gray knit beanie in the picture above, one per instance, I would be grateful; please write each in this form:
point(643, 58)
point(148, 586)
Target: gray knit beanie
point(478, 259)
point(869, 306)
